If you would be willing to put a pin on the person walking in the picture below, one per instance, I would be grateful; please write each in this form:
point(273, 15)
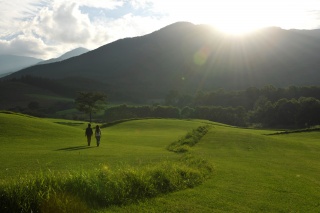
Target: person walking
point(97, 133)
point(89, 133)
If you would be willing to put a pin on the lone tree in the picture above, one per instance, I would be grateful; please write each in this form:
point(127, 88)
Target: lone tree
point(90, 102)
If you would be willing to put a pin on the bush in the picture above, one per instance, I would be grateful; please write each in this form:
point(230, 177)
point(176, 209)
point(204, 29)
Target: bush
point(189, 140)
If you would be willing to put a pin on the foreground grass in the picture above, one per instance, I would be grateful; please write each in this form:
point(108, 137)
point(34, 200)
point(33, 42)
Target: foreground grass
point(80, 192)
point(253, 170)
point(59, 189)
point(253, 173)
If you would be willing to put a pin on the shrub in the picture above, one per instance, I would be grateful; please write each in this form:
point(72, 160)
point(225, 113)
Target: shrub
point(189, 140)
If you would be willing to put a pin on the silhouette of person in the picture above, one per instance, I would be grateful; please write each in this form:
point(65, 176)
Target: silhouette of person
point(97, 133)
point(89, 133)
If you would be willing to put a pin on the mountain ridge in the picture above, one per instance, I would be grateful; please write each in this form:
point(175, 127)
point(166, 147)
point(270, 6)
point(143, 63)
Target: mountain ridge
point(189, 58)
point(72, 53)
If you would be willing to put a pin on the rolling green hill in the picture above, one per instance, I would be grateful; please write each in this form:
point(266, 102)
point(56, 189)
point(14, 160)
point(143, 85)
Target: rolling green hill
point(36, 144)
point(254, 171)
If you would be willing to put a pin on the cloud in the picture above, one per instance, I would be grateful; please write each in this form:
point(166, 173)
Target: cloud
point(59, 26)
point(63, 24)
point(106, 4)
point(142, 4)
point(54, 27)
point(131, 25)
point(12, 11)
point(26, 46)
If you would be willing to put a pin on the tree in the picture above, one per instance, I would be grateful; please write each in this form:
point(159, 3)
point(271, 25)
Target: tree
point(187, 112)
point(33, 105)
point(89, 102)
point(309, 111)
point(172, 98)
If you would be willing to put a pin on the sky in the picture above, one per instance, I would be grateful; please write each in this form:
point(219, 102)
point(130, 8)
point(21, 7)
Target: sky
point(48, 28)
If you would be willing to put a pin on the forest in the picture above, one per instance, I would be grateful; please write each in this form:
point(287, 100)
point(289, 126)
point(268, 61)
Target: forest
point(301, 113)
point(292, 107)
point(269, 106)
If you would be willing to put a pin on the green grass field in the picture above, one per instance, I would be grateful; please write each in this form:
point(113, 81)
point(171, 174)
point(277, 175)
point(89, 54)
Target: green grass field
point(253, 171)
point(30, 144)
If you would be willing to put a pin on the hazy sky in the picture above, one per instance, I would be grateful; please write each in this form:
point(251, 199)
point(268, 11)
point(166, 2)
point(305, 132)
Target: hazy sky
point(48, 28)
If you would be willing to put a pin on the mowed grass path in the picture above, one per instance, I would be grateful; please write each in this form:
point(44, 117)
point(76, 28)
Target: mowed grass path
point(30, 144)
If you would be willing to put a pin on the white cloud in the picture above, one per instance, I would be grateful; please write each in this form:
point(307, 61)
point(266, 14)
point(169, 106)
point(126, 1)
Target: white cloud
point(12, 11)
point(26, 46)
point(142, 4)
point(106, 4)
point(63, 24)
point(130, 26)
point(59, 26)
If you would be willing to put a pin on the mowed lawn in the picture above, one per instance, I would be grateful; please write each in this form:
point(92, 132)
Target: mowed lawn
point(253, 171)
point(30, 144)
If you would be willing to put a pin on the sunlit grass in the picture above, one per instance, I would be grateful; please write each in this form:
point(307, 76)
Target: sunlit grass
point(82, 191)
point(30, 144)
point(253, 170)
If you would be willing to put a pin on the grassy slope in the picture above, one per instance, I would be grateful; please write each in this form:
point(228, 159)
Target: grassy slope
point(31, 144)
point(253, 173)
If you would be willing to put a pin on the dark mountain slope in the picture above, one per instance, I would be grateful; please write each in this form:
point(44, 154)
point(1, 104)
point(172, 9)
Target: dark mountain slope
point(191, 57)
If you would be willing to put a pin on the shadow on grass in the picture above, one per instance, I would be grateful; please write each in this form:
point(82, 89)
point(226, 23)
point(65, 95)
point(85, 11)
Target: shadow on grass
point(296, 131)
point(70, 123)
point(75, 148)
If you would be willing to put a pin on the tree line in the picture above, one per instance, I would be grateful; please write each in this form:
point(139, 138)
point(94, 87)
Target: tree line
point(245, 98)
point(284, 113)
point(296, 113)
point(233, 116)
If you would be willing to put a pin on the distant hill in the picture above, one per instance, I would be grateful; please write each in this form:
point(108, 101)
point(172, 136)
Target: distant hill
point(67, 55)
point(12, 63)
point(189, 58)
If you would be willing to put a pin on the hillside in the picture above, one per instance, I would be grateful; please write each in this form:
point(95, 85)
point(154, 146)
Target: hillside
point(67, 55)
point(12, 63)
point(61, 145)
point(189, 58)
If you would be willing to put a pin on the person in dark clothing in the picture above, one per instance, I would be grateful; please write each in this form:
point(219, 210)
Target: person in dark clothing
point(89, 133)
point(98, 134)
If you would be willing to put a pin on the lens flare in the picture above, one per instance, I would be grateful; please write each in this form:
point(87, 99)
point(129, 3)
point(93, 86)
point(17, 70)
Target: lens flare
point(201, 56)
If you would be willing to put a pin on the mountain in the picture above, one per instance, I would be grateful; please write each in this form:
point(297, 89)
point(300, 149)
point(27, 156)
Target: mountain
point(75, 52)
point(12, 63)
point(189, 58)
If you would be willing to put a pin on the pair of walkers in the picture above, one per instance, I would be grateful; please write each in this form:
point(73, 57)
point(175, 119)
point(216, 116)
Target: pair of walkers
point(89, 133)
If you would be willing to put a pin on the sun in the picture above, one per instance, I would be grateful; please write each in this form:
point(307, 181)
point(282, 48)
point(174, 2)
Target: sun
point(239, 17)
point(239, 29)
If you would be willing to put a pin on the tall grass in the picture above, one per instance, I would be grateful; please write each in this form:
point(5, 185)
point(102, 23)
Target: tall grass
point(81, 191)
point(190, 139)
